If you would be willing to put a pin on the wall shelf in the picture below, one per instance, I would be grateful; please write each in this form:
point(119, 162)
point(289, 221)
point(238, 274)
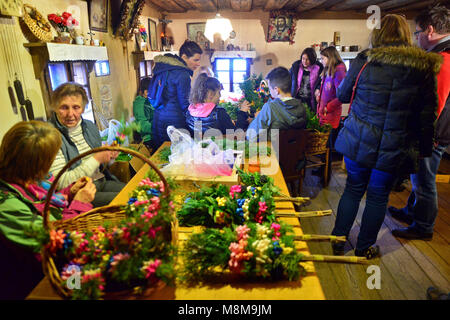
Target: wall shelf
point(150, 55)
point(233, 54)
point(44, 52)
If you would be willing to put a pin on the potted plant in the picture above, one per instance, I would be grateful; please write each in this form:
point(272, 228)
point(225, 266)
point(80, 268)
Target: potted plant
point(63, 24)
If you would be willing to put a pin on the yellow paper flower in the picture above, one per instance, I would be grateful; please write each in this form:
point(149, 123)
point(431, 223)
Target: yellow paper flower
point(286, 250)
point(221, 201)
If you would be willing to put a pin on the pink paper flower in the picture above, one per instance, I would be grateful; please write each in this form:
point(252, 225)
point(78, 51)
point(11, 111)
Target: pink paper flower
point(276, 228)
point(235, 189)
point(150, 267)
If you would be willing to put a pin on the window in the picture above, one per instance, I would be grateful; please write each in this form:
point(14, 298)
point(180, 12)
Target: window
point(102, 68)
point(145, 69)
point(61, 72)
point(231, 72)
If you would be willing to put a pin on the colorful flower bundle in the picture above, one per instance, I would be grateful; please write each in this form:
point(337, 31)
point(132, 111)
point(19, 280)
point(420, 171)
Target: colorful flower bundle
point(231, 108)
point(64, 22)
point(252, 250)
point(221, 205)
point(255, 91)
point(230, 102)
point(135, 253)
point(313, 122)
point(143, 32)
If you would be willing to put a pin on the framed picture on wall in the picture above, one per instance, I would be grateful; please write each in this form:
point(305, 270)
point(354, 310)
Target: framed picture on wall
point(281, 26)
point(98, 15)
point(196, 32)
point(152, 35)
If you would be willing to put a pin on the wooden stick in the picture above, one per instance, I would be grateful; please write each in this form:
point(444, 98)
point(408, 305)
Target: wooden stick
point(325, 258)
point(305, 214)
point(290, 199)
point(319, 237)
point(196, 229)
point(305, 237)
point(283, 195)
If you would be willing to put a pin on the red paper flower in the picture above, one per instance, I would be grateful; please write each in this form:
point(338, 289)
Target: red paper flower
point(66, 15)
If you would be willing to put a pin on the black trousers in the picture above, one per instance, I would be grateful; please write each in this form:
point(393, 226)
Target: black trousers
point(106, 191)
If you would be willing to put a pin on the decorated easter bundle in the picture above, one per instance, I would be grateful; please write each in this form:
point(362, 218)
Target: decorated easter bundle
point(131, 255)
point(250, 250)
point(221, 205)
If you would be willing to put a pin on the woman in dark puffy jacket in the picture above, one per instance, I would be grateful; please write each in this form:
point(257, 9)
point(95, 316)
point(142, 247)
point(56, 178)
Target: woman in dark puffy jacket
point(204, 112)
point(169, 89)
point(305, 75)
point(390, 125)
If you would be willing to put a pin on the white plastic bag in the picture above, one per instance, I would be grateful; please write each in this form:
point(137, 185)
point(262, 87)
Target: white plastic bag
point(200, 159)
point(111, 132)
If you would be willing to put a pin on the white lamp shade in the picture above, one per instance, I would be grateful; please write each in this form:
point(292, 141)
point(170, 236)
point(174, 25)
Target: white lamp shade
point(218, 25)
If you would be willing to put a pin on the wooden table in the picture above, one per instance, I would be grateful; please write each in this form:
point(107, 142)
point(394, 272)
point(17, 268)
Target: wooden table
point(307, 288)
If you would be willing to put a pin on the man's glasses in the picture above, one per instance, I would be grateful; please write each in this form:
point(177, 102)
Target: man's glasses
point(416, 33)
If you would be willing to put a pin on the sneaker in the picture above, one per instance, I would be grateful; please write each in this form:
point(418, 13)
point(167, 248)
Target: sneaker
point(369, 253)
point(412, 233)
point(400, 215)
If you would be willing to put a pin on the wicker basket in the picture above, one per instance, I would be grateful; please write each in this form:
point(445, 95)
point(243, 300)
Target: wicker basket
point(317, 141)
point(90, 220)
point(30, 27)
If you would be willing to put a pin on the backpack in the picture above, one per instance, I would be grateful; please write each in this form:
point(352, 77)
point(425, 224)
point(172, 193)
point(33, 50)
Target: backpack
point(156, 89)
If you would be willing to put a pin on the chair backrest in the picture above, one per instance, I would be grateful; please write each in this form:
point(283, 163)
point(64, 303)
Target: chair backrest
point(292, 145)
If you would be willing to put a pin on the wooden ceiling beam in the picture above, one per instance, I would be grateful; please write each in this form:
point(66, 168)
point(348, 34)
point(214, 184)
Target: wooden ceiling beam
point(275, 4)
point(241, 5)
point(419, 5)
point(306, 5)
point(203, 5)
point(329, 3)
point(157, 5)
point(393, 4)
point(335, 15)
point(354, 4)
point(168, 5)
point(184, 4)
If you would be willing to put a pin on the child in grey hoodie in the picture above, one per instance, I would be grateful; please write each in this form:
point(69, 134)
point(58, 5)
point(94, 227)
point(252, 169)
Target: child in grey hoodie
point(282, 111)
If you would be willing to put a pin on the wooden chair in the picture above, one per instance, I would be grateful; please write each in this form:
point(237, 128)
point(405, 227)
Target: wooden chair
point(292, 146)
point(314, 149)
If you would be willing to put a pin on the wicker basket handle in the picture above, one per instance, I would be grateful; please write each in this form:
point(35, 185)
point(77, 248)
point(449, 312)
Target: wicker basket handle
point(46, 212)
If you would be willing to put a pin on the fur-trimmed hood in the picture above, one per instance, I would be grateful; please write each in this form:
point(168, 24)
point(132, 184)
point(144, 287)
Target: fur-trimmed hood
point(411, 57)
point(169, 62)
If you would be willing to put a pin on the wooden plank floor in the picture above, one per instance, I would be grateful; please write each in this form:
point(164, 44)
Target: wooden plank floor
point(407, 267)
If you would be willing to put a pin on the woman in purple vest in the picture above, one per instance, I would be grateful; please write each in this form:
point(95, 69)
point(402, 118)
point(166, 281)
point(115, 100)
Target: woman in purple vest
point(305, 74)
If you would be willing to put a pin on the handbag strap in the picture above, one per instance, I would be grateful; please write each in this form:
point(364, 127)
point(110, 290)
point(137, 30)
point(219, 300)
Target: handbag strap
point(356, 83)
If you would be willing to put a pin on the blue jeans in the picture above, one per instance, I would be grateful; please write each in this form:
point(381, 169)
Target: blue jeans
point(378, 185)
point(422, 201)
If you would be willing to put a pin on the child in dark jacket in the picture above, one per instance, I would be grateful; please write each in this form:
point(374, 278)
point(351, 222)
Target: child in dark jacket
point(204, 112)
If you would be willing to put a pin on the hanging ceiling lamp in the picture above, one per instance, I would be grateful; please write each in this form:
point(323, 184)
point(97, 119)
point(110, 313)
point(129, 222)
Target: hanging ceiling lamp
point(218, 25)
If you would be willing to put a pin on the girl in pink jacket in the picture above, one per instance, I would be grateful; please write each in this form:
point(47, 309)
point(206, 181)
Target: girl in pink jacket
point(329, 107)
